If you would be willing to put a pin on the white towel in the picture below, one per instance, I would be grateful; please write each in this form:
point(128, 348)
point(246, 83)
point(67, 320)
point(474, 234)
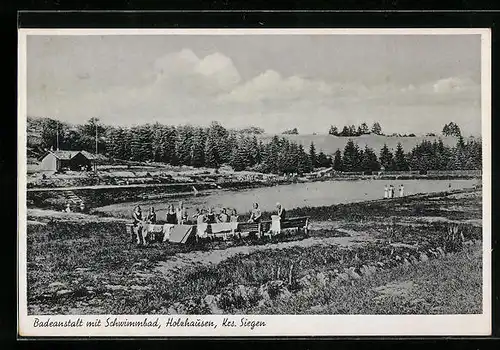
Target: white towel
point(221, 227)
point(275, 224)
point(201, 230)
point(166, 231)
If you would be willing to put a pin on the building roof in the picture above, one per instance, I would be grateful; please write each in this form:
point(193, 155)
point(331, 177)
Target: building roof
point(68, 155)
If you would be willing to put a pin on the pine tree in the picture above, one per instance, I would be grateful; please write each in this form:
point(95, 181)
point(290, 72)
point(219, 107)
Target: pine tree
point(400, 162)
point(117, 145)
point(323, 160)
point(364, 129)
point(337, 161)
point(184, 144)
point(239, 160)
point(369, 160)
point(169, 153)
point(452, 129)
point(217, 150)
point(157, 142)
point(333, 131)
point(422, 156)
point(351, 159)
point(460, 155)
point(304, 163)
point(359, 131)
point(198, 148)
point(312, 155)
point(386, 159)
point(141, 144)
point(474, 155)
point(443, 156)
point(212, 158)
point(376, 129)
point(352, 130)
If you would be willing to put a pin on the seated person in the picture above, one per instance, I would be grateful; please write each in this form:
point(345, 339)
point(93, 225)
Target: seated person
point(151, 216)
point(234, 216)
point(211, 216)
point(223, 217)
point(201, 218)
point(256, 215)
point(171, 215)
point(281, 212)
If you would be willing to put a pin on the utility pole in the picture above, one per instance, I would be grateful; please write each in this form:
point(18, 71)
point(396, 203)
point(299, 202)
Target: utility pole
point(95, 160)
point(57, 137)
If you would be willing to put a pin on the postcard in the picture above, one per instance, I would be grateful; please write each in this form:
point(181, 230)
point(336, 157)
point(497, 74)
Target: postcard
point(254, 182)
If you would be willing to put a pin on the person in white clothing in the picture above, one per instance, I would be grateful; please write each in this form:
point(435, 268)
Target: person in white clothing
point(181, 214)
point(401, 190)
point(386, 192)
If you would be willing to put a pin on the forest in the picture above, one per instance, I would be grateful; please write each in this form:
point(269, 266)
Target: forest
point(216, 145)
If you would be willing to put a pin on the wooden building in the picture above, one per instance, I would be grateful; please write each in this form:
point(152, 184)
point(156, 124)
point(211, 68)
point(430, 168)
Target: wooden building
point(67, 160)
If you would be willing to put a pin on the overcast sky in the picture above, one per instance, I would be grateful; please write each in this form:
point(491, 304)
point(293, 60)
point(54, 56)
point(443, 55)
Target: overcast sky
point(407, 83)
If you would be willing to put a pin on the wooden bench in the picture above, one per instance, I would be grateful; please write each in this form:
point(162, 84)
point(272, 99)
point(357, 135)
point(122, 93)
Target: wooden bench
point(297, 223)
point(250, 227)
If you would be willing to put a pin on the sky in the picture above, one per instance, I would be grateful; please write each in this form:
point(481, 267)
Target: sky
point(407, 83)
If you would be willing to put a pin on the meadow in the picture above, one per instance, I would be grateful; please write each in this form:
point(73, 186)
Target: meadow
point(422, 255)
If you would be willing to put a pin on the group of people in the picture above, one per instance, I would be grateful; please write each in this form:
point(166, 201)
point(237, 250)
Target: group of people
point(256, 214)
point(389, 191)
point(81, 208)
point(178, 216)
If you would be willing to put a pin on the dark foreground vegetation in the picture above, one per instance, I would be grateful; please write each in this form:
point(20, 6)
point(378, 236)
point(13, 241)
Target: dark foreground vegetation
point(377, 257)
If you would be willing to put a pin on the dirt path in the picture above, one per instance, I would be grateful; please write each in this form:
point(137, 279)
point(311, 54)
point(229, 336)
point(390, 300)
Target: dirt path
point(100, 187)
point(181, 263)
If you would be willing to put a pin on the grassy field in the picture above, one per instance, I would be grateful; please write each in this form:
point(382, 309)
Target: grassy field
point(377, 257)
point(450, 285)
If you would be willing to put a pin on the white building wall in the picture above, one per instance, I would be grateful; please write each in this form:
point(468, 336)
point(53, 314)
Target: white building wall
point(49, 163)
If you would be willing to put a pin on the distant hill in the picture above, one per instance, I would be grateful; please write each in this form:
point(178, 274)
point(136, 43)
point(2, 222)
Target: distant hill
point(329, 144)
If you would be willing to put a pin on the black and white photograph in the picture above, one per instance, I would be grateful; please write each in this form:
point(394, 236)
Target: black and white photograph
point(254, 182)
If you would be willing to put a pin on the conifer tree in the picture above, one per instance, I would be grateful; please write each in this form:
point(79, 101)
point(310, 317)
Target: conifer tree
point(312, 155)
point(351, 159)
point(198, 148)
point(369, 160)
point(184, 144)
point(386, 158)
point(337, 160)
point(400, 163)
point(141, 144)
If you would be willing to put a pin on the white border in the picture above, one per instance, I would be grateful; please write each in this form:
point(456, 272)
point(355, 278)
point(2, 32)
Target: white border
point(277, 325)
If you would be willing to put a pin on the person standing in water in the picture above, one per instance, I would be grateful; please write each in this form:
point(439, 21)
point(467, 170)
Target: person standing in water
point(401, 190)
point(386, 192)
point(391, 191)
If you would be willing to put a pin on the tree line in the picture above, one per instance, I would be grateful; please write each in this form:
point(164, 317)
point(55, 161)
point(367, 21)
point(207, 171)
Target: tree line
point(215, 145)
point(352, 130)
point(196, 146)
point(424, 156)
